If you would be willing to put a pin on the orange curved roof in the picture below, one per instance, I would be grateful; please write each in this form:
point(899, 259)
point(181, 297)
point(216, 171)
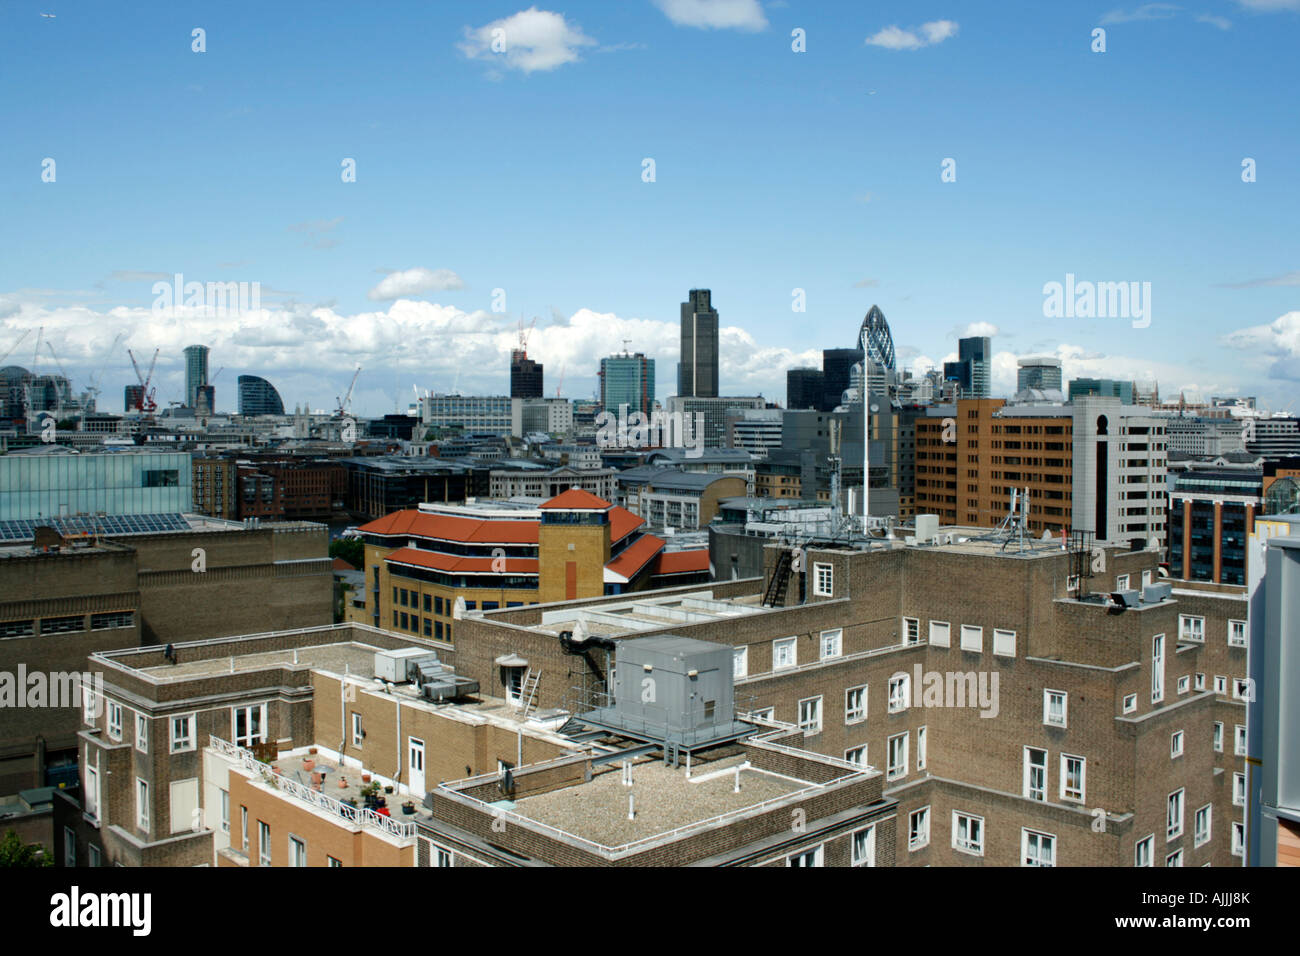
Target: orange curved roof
point(622, 523)
point(682, 562)
point(460, 565)
point(420, 524)
point(578, 499)
point(636, 556)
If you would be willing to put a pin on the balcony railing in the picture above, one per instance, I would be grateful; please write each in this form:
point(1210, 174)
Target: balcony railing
point(306, 794)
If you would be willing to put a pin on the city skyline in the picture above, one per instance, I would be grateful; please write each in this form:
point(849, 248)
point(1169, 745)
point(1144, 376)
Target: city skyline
point(399, 273)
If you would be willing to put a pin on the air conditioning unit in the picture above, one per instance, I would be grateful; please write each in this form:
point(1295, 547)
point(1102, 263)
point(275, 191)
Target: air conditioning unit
point(398, 666)
point(1155, 593)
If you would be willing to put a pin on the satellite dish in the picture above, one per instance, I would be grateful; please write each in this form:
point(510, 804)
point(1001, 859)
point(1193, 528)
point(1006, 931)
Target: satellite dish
point(1047, 534)
point(875, 408)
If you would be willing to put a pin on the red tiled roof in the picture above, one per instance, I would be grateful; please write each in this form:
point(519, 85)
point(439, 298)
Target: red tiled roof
point(622, 523)
point(682, 562)
point(419, 524)
point(461, 565)
point(636, 556)
point(341, 565)
point(577, 498)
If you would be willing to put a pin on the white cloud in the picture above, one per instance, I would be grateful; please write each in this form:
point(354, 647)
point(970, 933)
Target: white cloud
point(976, 328)
point(533, 40)
point(414, 282)
point(1148, 11)
point(1286, 279)
point(1223, 23)
point(1269, 6)
point(715, 14)
point(928, 34)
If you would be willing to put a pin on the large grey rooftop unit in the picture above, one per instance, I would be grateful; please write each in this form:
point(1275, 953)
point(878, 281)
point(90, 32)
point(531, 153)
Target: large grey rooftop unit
point(674, 690)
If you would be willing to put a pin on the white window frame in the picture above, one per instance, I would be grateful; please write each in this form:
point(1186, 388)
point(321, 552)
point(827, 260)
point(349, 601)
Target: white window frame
point(1184, 684)
point(854, 715)
point(113, 715)
point(911, 630)
point(823, 580)
point(186, 743)
point(297, 851)
point(141, 803)
point(1130, 703)
point(831, 643)
point(900, 693)
point(974, 824)
point(1238, 627)
point(358, 734)
point(814, 852)
point(780, 644)
point(248, 739)
point(1191, 628)
point(921, 747)
point(263, 843)
point(922, 832)
point(1064, 720)
point(1157, 668)
point(1046, 842)
point(940, 633)
point(1176, 741)
point(1066, 792)
point(740, 661)
point(1238, 789)
point(1028, 790)
point(225, 810)
point(1218, 736)
point(1239, 740)
point(867, 858)
point(812, 725)
point(1240, 688)
point(857, 755)
point(896, 756)
point(1121, 582)
point(1175, 807)
point(1198, 683)
point(1238, 838)
point(88, 707)
point(766, 713)
point(1004, 642)
point(141, 733)
point(1144, 851)
point(1201, 837)
point(1221, 685)
point(1174, 859)
point(972, 639)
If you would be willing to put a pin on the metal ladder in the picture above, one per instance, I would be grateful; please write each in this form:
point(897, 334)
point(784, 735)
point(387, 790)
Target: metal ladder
point(528, 691)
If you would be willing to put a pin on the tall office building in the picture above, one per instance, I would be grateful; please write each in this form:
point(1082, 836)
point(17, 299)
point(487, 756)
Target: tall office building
point(1105, 387)
point(804, 388)
point(973, 369)
point(196, 372)
point(1040, 372)
point(525, 375)
point(837, 364)
point(629, 380)
point(697, 372)
point(257, 396)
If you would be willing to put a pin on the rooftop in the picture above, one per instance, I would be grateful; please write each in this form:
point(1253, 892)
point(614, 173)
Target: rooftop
point(635, 616)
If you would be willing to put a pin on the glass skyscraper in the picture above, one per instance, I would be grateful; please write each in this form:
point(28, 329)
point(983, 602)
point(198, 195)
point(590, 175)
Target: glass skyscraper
point(196, 372)
point(629, 380)
point(257, 396)
point(697, 372)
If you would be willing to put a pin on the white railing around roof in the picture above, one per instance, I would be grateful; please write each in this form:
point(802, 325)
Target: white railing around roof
point(306, 794)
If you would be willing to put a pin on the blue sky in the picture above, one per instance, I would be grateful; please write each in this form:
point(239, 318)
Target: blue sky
point(522, 171)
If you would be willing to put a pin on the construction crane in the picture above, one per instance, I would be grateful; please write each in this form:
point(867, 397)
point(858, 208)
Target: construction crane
point(561, 383)
point(523, 336)
point(145, 403)
point(345, 403)
point(14, 347)
point(92, 387)
point(29, 413)
point(58, 392)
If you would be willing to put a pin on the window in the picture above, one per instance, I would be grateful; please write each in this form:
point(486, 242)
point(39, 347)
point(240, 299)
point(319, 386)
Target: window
point(1054, 707)
point(1130, 703)
point(1236, 633)
point(183, 733)
point(855, 705)
point(1218, 736)
point(940, 633)
point(972, 638)
point(1035, 776)
point(141, 804)
point(440, 856)
point(767, 713)
point(864, 847)
point(811, 857)
point(88, 705)
point(899, 693)
point(1184, 684)
point(1121, 583)
point(263, 844)
point(810, 715)
point(967, 833)
point(897, 766)
point(69, 847)
point(920, 748)
point(1176, 744)
point(1199, 682)
point(141, 734)
point(1239, 740)
point(918, 829)
point(243, 829)
point(111, 619)
point(1174, 816)
point(1004, 643)
point(1238, 789)
point(1073, 770)
point(114, 710)
point(1157, 668)
point(1148, 576)
point(225, 811)
point(740, 661)
point(428, 603)
point(1221, 685)
point(1174, 859)
point(1241, 689)
point(1201, 826)
point(1037, 849)
point(1238, 838)
point(358, 732)
point(783, 653)
point(249, 724)
point(823, 580)
point(857, 755)
point(832, 643)
point(1143, 851)
point(297, 852)
point(1191, 628)
point(911, 630)
point(95, 859)
point(18, 628)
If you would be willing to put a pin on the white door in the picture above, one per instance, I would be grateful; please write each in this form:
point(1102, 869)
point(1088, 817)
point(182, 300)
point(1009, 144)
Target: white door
point(415, 767)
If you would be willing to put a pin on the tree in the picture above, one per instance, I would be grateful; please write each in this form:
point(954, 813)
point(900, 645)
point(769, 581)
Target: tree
point(351, 550)
point(13, 852)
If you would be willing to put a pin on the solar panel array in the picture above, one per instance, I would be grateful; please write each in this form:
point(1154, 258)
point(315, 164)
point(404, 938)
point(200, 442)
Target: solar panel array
point(25, 529)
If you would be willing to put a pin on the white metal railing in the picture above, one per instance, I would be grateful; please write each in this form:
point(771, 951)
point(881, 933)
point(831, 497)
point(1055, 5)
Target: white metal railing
point(306, 794)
